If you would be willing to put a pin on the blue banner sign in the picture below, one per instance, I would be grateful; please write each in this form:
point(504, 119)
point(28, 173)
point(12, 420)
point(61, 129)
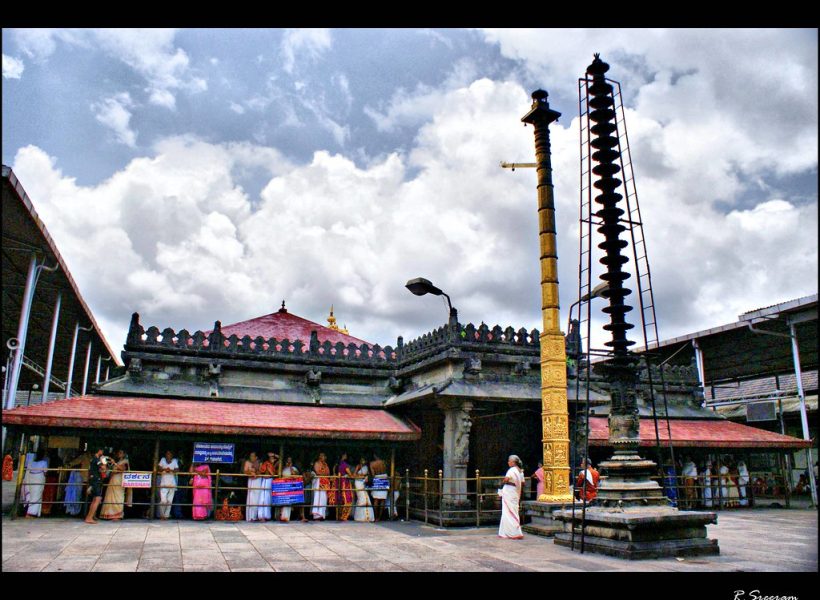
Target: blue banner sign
point(380, 483)
point(207, 452)
point(287, 490)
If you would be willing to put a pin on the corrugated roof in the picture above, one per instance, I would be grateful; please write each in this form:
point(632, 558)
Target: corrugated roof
point(700, 433)
point(214, 417)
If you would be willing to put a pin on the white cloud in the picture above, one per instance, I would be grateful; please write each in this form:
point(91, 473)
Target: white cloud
point(114, 113)
point(12, 67)
point(149, 52)
point(411, 108)
point(303, 43)
point(237, 108)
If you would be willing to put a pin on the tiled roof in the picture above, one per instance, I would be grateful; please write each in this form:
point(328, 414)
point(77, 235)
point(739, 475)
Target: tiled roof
point(214, 417)
point(700, 434)
point(285, 325)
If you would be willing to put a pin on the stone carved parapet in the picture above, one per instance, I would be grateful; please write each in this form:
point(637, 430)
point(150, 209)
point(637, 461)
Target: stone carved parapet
point(452, 336)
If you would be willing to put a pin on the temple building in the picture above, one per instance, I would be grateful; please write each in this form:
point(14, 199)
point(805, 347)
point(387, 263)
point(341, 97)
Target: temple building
point(454, 402)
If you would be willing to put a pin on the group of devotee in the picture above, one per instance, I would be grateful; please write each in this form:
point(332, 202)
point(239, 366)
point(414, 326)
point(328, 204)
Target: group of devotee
point(714, 484)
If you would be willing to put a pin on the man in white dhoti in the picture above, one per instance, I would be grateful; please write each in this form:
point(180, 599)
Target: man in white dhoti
point(706, 482)
point(742, 482)
point(168, 467)
point(379, 471)
point(510, 492)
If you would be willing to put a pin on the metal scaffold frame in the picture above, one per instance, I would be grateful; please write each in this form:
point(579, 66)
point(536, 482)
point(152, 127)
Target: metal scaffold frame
point(634, 225)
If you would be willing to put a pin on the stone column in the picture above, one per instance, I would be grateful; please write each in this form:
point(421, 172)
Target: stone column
point(457, 426)
point(554, 411)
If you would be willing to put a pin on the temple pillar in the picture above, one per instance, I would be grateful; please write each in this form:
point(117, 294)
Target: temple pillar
point(554, 409)
point(457, 425)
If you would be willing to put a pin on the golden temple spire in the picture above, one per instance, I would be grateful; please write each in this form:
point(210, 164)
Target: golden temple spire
point(331, 323)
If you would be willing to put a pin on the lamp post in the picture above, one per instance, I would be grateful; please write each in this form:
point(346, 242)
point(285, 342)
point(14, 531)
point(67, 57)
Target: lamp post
point(421, 286)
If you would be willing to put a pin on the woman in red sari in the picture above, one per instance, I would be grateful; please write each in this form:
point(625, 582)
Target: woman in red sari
point(344, 490)
point(203, 500)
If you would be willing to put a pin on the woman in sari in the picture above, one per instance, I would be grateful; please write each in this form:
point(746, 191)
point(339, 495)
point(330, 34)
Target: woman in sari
point(510, 526)
point(114, 501)
point(288, 471)
point(203, 500)
point(254, 502)
point(539, 477)
point(34, 482)
point(322, 488)
point(364, 507)
point(344, 491)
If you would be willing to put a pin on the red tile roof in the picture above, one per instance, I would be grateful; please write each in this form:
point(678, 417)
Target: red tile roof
point(214, 417)
point(702, 433)
point(284, 325)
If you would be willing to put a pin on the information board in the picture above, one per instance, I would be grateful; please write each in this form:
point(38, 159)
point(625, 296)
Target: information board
point(208, 452)
point(286, 490)
point(136, 480)
point(380, 483)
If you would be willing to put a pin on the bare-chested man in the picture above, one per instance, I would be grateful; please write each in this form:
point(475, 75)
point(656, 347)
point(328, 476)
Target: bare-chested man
point(379, 470)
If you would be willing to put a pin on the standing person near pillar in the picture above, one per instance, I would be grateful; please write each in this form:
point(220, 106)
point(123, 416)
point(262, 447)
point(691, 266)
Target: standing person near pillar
point(539, 477)
point(706, 484)
point(35, 482)
point(344, 496)
point(77, 483)
point(289, 470)
point(587, 481)
point(267, 472)
point(251, 468)
point(510, 526)
point(114, 505)
point(364, 508)
point(168, 467)
point(743, 482)
point(96, 474)
point(202, 495)
point(321, 487)
point(379, 471)
point(690, 482)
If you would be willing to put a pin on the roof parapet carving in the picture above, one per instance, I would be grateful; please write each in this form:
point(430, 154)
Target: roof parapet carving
point(470, 337)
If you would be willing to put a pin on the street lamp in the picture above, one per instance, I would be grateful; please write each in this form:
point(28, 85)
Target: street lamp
point(421, 286)
point(597, 292)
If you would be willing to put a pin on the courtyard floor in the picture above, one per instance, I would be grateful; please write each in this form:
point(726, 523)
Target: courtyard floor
point(757, 540)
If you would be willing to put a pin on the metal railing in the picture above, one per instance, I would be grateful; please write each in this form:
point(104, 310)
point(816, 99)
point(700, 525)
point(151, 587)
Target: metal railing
point(342, 494)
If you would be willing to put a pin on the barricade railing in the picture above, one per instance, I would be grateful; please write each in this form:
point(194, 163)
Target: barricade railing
point(231, 486)
point(724, 490)
point(467, 499)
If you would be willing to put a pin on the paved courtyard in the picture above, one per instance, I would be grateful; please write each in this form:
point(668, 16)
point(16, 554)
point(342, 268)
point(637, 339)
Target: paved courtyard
point(759, 540)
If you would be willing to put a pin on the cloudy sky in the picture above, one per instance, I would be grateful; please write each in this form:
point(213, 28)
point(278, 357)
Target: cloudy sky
point(195, 175)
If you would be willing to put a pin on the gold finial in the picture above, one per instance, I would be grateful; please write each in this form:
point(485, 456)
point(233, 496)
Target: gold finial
point(331, 323)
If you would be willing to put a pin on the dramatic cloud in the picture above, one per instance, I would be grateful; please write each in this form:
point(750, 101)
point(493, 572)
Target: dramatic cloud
point(197, 227)
point(114, 113)
point(12, 67)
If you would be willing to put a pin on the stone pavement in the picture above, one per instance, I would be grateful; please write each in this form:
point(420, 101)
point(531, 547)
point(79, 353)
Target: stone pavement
point(757, 540)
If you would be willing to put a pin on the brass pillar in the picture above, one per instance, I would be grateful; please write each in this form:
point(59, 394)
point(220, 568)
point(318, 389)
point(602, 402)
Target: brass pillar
point(554, 411)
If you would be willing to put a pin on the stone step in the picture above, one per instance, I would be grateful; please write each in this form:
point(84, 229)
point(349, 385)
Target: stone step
point(542, 530)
